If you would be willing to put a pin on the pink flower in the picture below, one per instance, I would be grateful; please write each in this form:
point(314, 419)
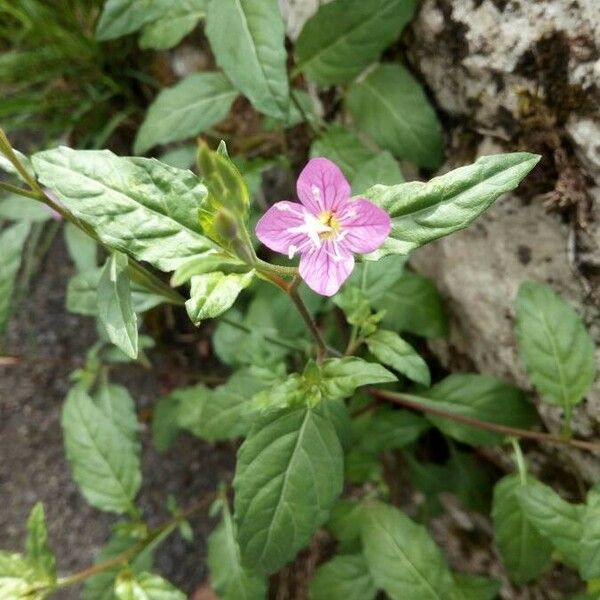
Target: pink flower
point(326, 228)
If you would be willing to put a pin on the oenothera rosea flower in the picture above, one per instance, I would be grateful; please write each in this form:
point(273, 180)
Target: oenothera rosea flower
point(326, 228)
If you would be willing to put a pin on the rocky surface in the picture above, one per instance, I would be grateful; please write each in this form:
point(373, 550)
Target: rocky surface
point(512, 74)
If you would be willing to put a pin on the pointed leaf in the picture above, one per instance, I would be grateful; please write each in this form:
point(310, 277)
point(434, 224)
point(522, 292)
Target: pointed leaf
point(115, 308)
point(525, 553)
point(554, 518)
point(403, 560)
point(179, 19)
point(214, 293)
point(121, 17)
point(289, 473)
point(339, 377)
point(82, 294)
point(382, 169)
point(412, 304)
point(190, 107)
point(345, 577)
point(12, 241)
point(39, 553)
point(342, 146)
point(557, 350)
point(252, 51)
point(346, 36)
point(391, 106)
point(589, 565)
point(101, 455)
point(229, 578)
point(221, 413)
point(423, 212)
point(135, 205)
point(394, 352)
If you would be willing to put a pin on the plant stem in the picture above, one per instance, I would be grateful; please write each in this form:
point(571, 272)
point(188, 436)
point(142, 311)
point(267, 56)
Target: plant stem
point(539, 436)
point(124, 557)
point(520, 460)
point(14, 189)
point(310, 323)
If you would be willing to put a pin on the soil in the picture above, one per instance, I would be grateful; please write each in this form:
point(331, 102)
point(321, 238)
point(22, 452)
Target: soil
point(52, 343)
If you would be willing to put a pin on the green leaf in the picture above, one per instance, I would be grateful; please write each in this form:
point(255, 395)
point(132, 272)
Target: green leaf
point(116, 403)
point(394, 352)
point(412, 304)
point(247, 344)
point(525, 553)
point(224, 182)
point(289, 473)
point(180, 157)
point(214, 293)
point(82, 294)
point(179, 19)
point(423, 212)
point(18, 208)
point(190, 107)
point(115, 308)
point(376, 278)
point(221, 413)
point(387, 429)
point(229, 578)
point(82, 248)
point(136, 205)
point(12, 241)
point(479, 397)
point(17, 578)
point(219, 261)
point(39, 553)
point(121, 17)
point(252, 52)
point(382, 169)
point(474, 587)
point(345, 577)
point(589, 565)
point(342, 146)
point(165, 423)
point(391, 106)
point(346, 36)
point(554, 344)
point(403, 560)
point(345, 523)
point(554, 518)
point(101, 455)
point(339, 377)
point(146, 586)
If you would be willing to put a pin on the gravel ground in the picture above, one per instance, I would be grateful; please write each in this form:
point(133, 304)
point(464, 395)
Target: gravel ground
point(33, 466)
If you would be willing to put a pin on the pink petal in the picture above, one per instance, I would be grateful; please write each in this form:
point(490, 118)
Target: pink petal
point(324, 269)
point(365, 226)
point(322, 186)
point(273, 227)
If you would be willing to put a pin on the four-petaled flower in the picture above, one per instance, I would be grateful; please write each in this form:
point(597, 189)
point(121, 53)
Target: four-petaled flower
point(326, 228)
